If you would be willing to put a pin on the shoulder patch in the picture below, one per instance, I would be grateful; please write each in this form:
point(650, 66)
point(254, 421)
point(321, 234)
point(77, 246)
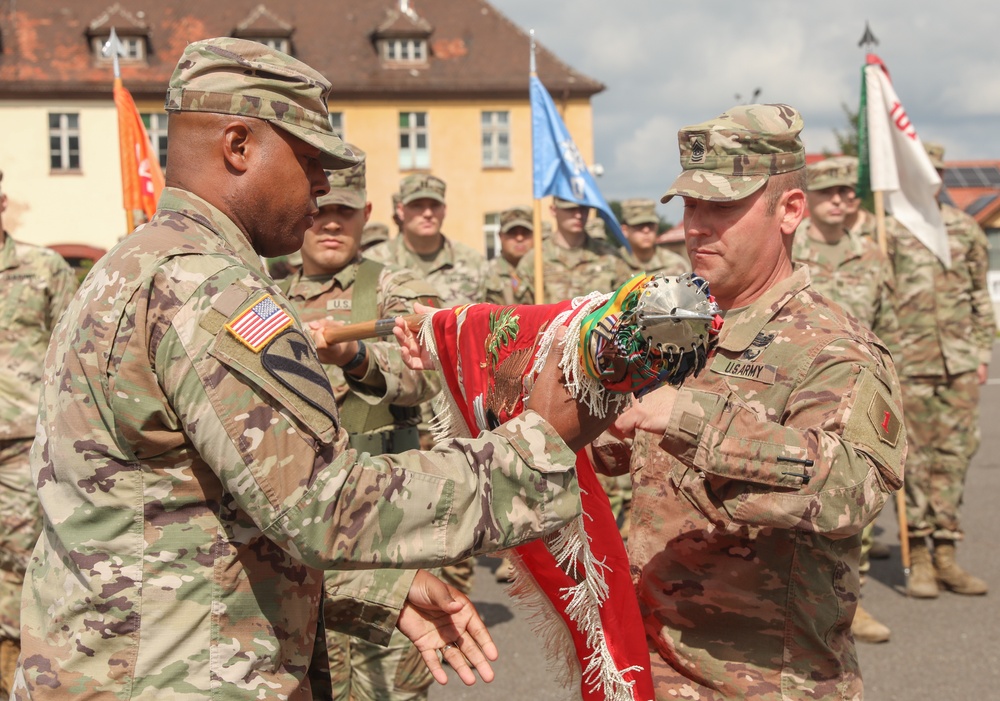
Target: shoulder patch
point(255, 327)
point(887, 424)
point(875, 428)
point(289, 359)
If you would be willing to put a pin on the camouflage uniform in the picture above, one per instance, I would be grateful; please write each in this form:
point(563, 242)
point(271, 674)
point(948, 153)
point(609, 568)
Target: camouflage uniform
point(947, 326)
point(747, 511)
point(636, 212)
point(505, 271)
point(36, 285)
point(571, 272)
point(192, 473)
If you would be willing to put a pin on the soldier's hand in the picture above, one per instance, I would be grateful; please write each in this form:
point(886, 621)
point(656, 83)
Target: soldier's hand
point(549, 397)
point(438, 617)
point(983, 373)
point(331, 354)
point(414, 355)
point(651, 414)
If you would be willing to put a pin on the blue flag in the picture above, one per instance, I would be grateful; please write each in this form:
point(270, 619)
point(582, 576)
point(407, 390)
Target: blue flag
point(559, 169)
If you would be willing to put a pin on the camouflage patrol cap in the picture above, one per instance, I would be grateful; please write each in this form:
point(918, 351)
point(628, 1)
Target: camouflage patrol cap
point(560, 203)
point(516, 216)
point(347, 185)
point(420, 185)
point(374, 233)
point(936, 154)
point(732, 156)
point(832, 172)
point(639, 211)
point(247, 78)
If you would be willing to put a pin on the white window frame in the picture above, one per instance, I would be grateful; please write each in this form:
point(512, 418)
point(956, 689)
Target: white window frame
point(135, 48)
point(282, 44)
point(404, 50)
point(493, 131)
point(491, 234)
point(337, 122)
point(411, 156)
point(156, 127)
point(64, 132)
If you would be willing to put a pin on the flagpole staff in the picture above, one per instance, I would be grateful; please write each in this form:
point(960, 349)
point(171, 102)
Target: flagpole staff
point(536, 220)
point(370, 329)
point(113, 48)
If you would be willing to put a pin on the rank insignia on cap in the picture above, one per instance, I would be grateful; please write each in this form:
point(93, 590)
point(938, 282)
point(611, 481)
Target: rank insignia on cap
point(255, 327)
point(697, 150)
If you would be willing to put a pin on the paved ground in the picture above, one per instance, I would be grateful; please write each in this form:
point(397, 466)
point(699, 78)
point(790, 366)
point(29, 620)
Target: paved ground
point(943, 648)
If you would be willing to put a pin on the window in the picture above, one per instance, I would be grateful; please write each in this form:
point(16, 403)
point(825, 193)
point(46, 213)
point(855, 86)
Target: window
point(337, 122)
point(491, 229)
point(134, 48)
point(414, 153)
point(496, 139)
point(281, 44)
point(156, 126)
point(64, 142)
point(404, 50)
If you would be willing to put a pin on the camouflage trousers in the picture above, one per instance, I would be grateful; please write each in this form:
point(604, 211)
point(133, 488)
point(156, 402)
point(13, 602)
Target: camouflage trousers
point(942, 428)
point(19, 528)
point(363, 671)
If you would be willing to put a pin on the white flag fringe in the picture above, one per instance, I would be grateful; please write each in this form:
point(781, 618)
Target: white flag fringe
point(901, 168)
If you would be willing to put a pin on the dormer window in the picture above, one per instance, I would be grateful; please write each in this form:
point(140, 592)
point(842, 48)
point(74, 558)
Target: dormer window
point(281, 44)
point(404, 50)
point(134, 48)
point(264, 26)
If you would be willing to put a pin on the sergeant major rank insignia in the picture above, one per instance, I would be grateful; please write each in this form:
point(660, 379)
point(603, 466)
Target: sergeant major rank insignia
point(697, 149)
point(255, 327)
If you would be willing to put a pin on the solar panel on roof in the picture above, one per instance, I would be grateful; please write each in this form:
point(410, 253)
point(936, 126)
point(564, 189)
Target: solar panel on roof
point(981, 203)
point(980, 176)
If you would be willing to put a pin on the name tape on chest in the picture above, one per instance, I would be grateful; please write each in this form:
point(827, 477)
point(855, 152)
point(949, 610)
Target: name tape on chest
point(255, 327)
point(757, 372)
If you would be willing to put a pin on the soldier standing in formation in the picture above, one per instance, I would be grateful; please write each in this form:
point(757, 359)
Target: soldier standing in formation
point(947, 326)
point(459, 273)
point(640, 224)
point(192, 473)
point(851, 270)
point(374, 234)
point(36, 286)
point(516, 230)
point(377, 396)
point(754, 481)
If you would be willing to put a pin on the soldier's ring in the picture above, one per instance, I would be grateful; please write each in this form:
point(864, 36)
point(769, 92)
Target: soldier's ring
point(447, 647)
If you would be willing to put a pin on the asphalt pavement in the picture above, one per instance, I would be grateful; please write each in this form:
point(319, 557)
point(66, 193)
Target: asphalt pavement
point(945, 648)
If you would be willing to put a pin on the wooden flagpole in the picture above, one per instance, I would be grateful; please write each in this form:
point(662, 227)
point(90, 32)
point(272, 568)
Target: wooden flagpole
point(536, 221)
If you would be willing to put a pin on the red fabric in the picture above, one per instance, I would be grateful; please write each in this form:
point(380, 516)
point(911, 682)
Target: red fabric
point(470, 356)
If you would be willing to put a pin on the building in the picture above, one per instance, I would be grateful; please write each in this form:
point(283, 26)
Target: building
point(438, 85)
point(974, 187)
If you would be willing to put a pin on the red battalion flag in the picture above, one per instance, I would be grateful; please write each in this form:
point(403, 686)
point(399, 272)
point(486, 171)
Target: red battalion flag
point(577, 580)
point(142, 178)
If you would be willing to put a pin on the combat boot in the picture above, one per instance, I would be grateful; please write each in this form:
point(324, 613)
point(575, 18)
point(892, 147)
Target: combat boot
point(867, 629)
point(923, 581)
point(950, 575)
point(9, 652)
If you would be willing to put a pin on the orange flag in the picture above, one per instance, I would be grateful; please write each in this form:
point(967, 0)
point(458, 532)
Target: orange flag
point(142, 179)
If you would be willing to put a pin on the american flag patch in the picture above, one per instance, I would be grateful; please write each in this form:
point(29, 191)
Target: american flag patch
point(259, 324)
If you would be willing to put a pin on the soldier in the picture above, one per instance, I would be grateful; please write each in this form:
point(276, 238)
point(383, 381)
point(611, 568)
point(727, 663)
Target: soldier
point(459, 273)
point(849, 269)
point(640, 224)
point(516, 231)
point(753, 482)
point(192, 472)
point(374, 234)
point(377, 396)
point(575, 263)
point(36, 284)
point(947, 326)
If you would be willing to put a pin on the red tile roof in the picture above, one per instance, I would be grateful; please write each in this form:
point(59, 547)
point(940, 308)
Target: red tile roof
point(475, 50)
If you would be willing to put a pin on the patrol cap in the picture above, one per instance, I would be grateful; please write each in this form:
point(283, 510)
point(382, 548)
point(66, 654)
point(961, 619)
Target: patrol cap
point(832, 172)
point(639, 211)
point(560, 203)
point(374, 233)
point(347, 185)
point(247, 78)
point(419, 185)
point(516, 216)
point(732, 156)
point(936, 154)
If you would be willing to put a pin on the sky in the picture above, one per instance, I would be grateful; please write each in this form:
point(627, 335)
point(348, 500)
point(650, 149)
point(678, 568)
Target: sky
point(668, 64)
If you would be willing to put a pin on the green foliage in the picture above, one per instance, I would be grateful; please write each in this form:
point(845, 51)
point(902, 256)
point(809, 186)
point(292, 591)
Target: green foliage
point(847, 141)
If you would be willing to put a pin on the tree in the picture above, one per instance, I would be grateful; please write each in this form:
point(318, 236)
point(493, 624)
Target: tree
point(847, 141)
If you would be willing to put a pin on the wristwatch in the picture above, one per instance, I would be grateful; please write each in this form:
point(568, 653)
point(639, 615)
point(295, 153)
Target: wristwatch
point(357, 359)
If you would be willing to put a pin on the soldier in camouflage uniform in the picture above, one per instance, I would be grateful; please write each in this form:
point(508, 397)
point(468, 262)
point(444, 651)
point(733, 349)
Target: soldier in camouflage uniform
point(192, 472)
point(575, 263)
point(459, 273)
point(516, 239)
point(36, 286)
point(851, 270)
point(374, 234)
point(640, 224)
point(947, 326)
point(752, 482)
point(377, 396)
